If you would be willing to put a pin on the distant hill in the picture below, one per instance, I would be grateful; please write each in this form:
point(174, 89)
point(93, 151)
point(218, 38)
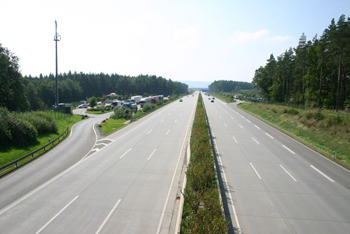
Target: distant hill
point(196, 84)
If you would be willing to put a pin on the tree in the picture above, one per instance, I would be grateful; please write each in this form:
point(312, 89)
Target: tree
point(12, 90)
point(93, 101)
point(33, 98)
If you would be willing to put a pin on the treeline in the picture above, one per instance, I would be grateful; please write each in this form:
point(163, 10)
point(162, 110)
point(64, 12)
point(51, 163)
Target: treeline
point(229, 86)
point(315, 73)
point(19, 93)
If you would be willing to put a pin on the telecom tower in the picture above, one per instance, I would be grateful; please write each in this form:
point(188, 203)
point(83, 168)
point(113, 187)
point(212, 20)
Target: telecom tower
point(56, 39)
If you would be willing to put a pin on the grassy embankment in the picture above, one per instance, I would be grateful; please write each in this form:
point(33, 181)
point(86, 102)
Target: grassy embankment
point(10, 153)
point(324, 131)
point(202, 209)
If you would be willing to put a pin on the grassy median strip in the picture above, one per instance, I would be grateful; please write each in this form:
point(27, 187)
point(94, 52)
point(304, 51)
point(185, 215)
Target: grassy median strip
point(322, 130)
point(202, 209)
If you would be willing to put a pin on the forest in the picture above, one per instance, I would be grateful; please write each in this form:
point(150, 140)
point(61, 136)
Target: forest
point(18, 93)
point(229, 86)
point(314, 74)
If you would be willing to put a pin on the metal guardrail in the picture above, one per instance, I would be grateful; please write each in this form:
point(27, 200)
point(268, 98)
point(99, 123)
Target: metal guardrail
point(35, 151)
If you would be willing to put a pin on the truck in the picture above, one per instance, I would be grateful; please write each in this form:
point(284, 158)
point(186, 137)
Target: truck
point(155, 99)
point(161, 97)
point(127, 104)
point(116, 103)
point(135, 99)
point(144, 101)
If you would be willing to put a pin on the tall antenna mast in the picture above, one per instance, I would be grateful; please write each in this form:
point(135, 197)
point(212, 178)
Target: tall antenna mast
point(56, 39)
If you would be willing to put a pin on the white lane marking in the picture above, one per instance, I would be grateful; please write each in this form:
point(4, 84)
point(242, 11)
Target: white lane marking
point(288, 173)
point(97, 149)
point(237, 113)
point(169, 113)
point(269, 136)
point(125, 153)
point(57, 215)
point(220, 117)
point(256, 141)
point(167, 132)
point(152, 154)
point(322, 173)
point(255, 170)
point(235, 139)
point(288, 149)
point(162, 120)
point(248, 121)
point(109, 215)
point(232, 117)
point(172, 180)
point(180, 113)
point(175, 121)
point(257, 127)
point(242, 116)
point(240, 125)
point(225, 125)
point(105, 139)
point(149, 131)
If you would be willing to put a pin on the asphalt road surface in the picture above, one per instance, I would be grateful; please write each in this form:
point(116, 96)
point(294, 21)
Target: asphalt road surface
point(273, 183)
point(128, 182)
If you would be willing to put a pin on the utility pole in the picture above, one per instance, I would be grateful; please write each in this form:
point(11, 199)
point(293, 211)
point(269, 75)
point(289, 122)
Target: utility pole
point(56, 39)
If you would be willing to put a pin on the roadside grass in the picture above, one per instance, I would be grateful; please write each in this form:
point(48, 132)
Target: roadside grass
point(97, 112)
point(227, 98)
point(323, 131)
point(112, 125)
point(9, 153)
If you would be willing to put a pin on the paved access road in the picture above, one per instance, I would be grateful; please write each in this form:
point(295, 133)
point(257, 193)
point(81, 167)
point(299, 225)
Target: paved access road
point(127, 184)
point(70, 151)
point(276, 185)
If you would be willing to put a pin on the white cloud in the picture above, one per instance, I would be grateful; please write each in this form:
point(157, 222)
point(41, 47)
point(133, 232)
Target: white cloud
point(243, 37)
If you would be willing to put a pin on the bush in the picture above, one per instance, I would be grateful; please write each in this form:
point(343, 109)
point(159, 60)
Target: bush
point(335, 120)
point(40, 121)
point(5, 133)
point(293, 112)
point(148, 107)
point(22, 132)
point(159, 103)
point(121, 112)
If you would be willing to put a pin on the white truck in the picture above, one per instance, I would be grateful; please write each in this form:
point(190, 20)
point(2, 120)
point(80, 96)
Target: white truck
point(116, 103)
point(135, 99)
point(145, 100)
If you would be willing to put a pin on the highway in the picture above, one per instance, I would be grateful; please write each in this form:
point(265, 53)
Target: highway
point(127, 183)
point(273, 183)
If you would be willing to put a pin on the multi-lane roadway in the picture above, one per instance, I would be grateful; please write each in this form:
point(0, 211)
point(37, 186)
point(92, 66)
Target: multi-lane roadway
point(128, 182)
point(273, 183)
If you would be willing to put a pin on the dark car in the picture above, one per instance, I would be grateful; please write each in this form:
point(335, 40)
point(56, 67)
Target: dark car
point(212, 100)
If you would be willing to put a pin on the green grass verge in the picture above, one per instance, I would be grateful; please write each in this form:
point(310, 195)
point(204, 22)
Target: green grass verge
point(112, 125)
point(10, 153)
point(226, 98)
point(202, 208)
point(96, 112)
point(323, 131)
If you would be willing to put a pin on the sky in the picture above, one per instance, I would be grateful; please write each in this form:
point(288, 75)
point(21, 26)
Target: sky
point(180, 40)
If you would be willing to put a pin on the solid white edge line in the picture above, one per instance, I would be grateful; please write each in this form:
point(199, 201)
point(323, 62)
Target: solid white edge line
point(149, 131)
point(110, 213)
point(288, 149)
point(256, 141)
point(167, 132)
point(288, 173)
point(254, 170)
point(172, 180)
point(269, 136)
point(235, 139)
point(125, 153)
point(227, 186)
point(322, 173)
point(151, 154)
point(56, 215)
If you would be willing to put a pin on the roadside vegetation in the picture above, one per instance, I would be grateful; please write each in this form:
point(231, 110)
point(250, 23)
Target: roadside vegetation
point(322, 130)
point(22, 133)
point(202, 209)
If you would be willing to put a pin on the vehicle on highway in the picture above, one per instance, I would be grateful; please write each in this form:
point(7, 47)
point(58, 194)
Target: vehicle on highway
point(212, 100)
point(208, 98)
point(180, 100)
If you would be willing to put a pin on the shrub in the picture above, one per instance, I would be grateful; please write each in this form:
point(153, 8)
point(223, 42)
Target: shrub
point(274, 110)
point(5, 133)
point(148, 107)
point(22, 132)
point(293, 112)
point(335, 120)
point(121, 112)
point(40, 121)
point(309, 115)
point(318, 116)
point(160, 103)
